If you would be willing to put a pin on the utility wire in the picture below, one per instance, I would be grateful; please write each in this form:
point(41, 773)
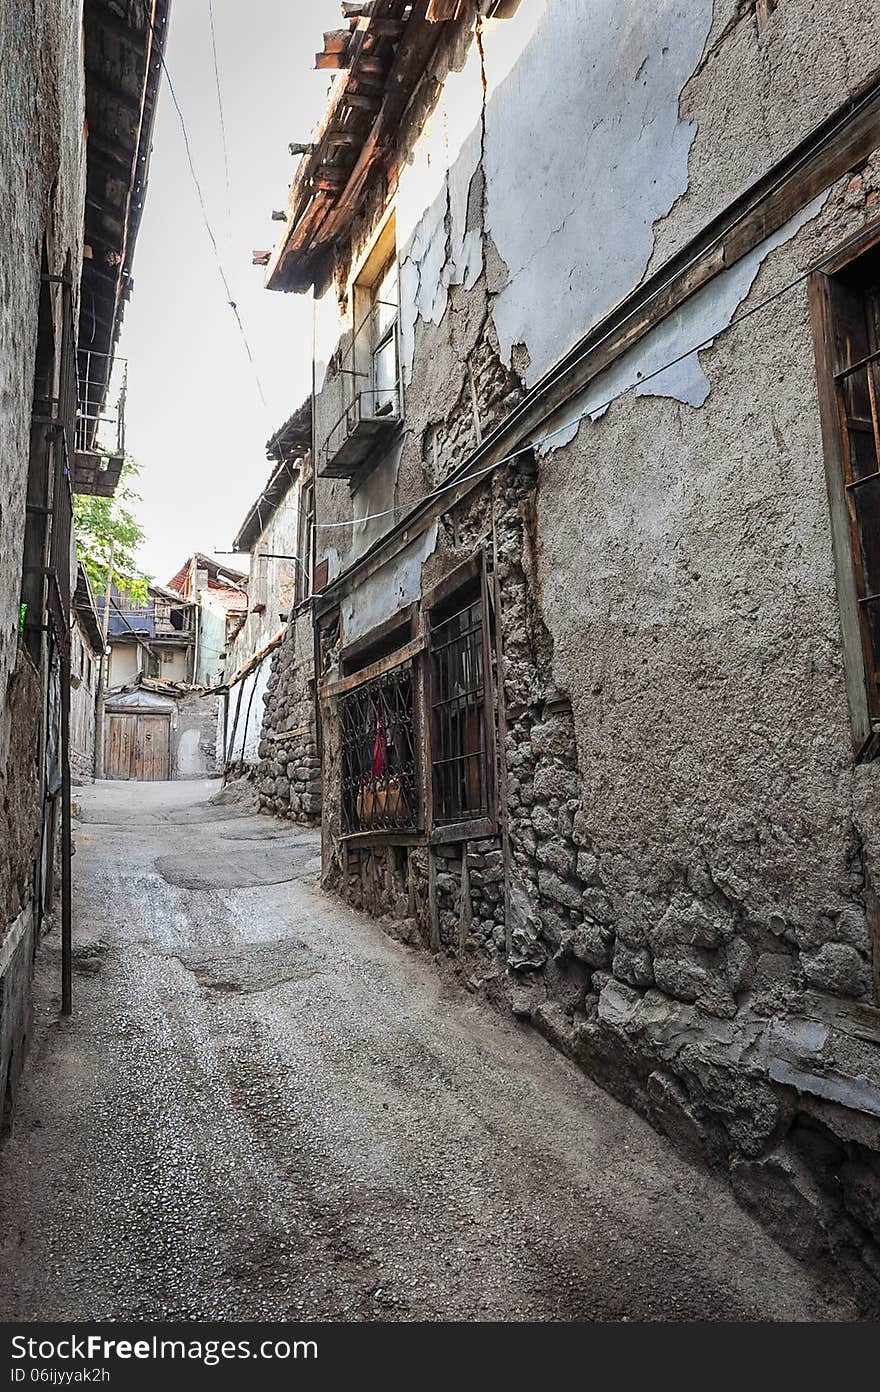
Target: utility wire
point(222, 118)
point(208, 228)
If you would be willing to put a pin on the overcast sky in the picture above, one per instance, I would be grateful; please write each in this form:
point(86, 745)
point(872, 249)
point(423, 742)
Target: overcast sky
point(195, 422)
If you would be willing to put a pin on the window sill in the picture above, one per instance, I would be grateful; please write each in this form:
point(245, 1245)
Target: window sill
point(358, 839)
point(479, 830)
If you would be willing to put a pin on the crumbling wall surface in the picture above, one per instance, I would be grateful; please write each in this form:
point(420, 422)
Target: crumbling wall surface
point(686, 577)
point(768, 75)
point(41, 190)
point(41, 203)
point(288, 775)
point(194, 736)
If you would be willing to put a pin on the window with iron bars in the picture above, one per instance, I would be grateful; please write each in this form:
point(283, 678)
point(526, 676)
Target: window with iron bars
point(850, 356)
point(459, 726)
point(379, 782)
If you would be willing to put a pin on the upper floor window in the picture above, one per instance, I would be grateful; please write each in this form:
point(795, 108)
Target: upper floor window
point(370, 367)
point(847, 323)
point(382, 331)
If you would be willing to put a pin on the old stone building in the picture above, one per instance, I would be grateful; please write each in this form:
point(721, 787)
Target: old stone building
point(153, 637)
point(596, 447)
point(219, 594)
point(79, 88)
point(86, 647)
point(269, 719)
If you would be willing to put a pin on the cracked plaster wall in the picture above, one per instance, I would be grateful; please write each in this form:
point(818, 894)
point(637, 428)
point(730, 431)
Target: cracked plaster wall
point(41, 196)
point(701, 649)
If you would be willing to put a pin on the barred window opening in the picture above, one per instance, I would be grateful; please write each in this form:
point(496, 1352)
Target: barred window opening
point(379, 791)
point(855, 303)
point(458, 713)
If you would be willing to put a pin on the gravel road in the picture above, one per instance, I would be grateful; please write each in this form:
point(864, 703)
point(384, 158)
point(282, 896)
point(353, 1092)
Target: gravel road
point(262, 1107)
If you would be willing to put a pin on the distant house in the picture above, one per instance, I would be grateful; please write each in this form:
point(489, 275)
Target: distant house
point(275, 639)
point(219, 595)
point(154, 637)
point(85, 657)
point(157, 729)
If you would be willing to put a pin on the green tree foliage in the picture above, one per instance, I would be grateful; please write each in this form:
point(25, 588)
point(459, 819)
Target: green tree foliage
point(107, 525)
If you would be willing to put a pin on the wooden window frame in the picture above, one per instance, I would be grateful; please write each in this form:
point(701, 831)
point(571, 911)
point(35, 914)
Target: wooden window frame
point(860, 663)
point(443, 593)
point(410, 652)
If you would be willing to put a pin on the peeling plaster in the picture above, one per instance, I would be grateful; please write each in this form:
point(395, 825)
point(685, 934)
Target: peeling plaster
point(707, 313)
point(392, 588)
point(441, 247)
point(574, 225)
point(610, 100)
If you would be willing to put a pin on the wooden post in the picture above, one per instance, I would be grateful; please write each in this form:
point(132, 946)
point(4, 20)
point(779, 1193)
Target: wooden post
point(433, 909)
point(465, 913)
point(102, 673)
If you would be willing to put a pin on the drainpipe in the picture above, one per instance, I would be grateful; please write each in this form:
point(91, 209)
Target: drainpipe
point(66, 840)
point(102, 674)
point(198, 631)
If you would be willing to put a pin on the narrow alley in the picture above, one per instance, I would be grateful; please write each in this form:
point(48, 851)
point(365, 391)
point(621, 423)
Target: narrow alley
point(263, 1107)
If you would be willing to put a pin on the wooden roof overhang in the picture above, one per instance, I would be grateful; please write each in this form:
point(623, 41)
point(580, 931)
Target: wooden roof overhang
point(124, 45)
point(382, 56)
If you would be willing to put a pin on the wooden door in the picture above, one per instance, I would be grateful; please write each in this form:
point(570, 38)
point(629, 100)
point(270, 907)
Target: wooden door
point(153, 749)
point(138, 747)
point(119, 744)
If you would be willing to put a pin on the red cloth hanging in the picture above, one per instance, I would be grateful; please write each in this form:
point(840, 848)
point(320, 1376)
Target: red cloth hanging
point(380, 747)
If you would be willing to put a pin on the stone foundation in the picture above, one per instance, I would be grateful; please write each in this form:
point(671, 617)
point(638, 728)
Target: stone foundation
point(288, 776)
point(750, 1044)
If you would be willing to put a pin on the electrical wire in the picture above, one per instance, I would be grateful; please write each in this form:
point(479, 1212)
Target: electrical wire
point(592, 411)
point(222, 117)
point(198, 187)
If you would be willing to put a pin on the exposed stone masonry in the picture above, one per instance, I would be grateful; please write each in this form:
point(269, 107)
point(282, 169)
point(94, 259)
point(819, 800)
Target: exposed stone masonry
point(288, 776)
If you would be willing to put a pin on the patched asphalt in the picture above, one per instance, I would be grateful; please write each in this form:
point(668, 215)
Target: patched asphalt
point(264, 1108)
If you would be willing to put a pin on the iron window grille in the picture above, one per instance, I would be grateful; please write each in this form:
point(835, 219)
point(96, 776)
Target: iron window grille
point(459, 747)
point(379, 781)
point(846, 305)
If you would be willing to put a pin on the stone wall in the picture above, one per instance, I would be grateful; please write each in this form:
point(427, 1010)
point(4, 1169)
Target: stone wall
point(679, 894)
point(84, 674)
point(288, 775)
point(194, 736)
point(718, 1029)
point(41, 215)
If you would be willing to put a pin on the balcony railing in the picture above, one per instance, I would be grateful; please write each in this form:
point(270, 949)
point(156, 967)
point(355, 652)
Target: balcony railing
point(371, 416)
point(375, 410)
point(100, 432)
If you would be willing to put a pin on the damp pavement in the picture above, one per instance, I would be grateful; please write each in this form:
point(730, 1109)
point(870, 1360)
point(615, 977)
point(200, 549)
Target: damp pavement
point(264, 1108)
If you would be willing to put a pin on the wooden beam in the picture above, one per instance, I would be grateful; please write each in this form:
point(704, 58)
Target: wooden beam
point(375, 669)
point(97, 81)
point(336, 40)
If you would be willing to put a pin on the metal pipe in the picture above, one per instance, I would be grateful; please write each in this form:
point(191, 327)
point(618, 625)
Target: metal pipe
point(66, 841)
point(102, 672)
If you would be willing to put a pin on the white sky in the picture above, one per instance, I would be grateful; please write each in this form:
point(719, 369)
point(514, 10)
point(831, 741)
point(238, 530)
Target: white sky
point(194, 420)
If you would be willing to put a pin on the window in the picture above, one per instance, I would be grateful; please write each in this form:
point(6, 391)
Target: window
point(369, 368)
point(382, 333)
point(462, 743)
point(847, 326)
point(379, 782)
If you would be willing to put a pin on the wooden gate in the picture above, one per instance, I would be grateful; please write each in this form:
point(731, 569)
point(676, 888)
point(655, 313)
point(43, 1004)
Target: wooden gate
point(138, 747)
